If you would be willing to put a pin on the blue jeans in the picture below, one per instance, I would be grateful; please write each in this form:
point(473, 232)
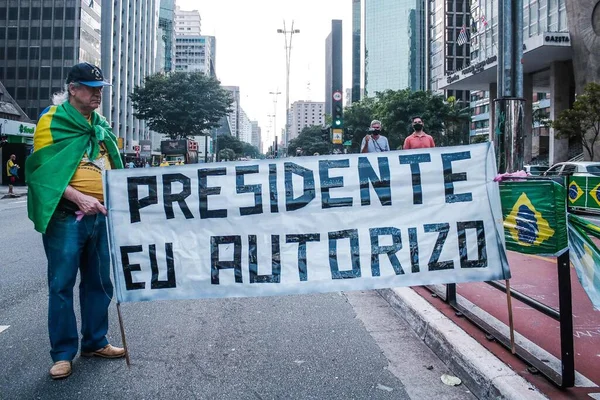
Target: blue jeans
point(71, 246)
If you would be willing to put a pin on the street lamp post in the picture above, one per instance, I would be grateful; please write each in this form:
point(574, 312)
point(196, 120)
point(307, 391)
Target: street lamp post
point(288, 53)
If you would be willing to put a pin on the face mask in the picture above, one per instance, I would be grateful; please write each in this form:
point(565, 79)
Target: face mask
point(418, 127)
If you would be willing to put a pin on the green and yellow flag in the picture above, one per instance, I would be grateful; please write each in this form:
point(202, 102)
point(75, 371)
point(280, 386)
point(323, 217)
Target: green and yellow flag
point(585, 256)
point(534, 216)
point(62, 136)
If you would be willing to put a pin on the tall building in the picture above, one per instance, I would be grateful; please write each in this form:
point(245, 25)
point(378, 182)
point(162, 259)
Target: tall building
point(256, 135)
point(234, 113)
point(166, 35)
point(245, 127)
point(39, 44)
point(193, 54)
point(447, 19)
point(212, 41)
point(129, 34)
point(394, 45)
point(305, 114)
point(356, 52)
point(548, 81)
point(187, 22)
point(333, 64)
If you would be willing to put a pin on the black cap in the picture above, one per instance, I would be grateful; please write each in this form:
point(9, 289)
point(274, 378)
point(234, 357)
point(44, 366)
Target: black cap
point(87, 74)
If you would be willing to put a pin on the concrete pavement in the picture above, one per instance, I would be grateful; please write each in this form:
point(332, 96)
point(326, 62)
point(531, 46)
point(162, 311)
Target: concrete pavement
point(328, 346)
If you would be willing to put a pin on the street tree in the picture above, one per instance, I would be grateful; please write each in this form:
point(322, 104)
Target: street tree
point(582, 121)
point(446, 120)
point(239, 148)
point(181, 104)
point(226, 155)
point(310, 141)
point(456, 123)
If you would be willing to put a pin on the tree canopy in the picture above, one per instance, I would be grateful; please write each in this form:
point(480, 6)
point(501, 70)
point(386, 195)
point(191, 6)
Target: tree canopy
point(446, 120)
point(582, 121)
point(309, 141)
point(239, 148)
point(181, 104)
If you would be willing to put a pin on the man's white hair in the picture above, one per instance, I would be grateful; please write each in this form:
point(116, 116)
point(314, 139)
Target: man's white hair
point(61, 97)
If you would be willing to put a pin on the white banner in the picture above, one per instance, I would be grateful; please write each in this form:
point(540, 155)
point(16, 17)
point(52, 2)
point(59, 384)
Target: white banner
point(306, 224)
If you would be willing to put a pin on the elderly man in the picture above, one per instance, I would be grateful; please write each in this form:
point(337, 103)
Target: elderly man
point(73, 144)
point(374, 142)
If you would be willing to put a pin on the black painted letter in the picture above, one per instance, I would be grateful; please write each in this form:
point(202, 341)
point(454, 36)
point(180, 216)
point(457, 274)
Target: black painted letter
point(351, 234)
point(381, 183)
point(170, 282)
point(169, 198)
point(434, 263)
point(240, 187)
point(302, 240)
point(135, 203)
point(377, 250)
point(415, 170)
point(129, 268)
point(328, 182)
point(204, 191)
point(275, 276)
point(481, 261)
point(292, 203)
point(450, 178)
point(217, 264)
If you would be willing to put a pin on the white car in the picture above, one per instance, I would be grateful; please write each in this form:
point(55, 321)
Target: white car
point(570, 168)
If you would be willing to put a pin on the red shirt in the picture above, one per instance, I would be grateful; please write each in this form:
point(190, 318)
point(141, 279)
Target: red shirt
point(418, 142)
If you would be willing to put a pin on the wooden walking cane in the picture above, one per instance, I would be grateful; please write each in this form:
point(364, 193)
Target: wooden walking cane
point(123, 335)
point(510, 318)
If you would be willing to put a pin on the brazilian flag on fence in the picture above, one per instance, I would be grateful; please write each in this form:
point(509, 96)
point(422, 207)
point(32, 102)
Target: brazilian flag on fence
point(534, 215)
point(585, 256)
point(584, 192)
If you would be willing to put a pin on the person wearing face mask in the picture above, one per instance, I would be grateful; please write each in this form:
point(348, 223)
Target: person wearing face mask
point(419, 139)
point(374, 142)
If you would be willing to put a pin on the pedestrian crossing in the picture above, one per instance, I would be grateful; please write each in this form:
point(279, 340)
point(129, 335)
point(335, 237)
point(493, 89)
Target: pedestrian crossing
point(3, 328)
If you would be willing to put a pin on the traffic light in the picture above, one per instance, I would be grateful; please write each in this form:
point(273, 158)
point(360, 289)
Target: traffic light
point(338, 114)
point(325, 134)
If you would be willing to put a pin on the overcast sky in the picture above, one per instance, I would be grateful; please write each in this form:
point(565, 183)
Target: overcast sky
point(251, 54)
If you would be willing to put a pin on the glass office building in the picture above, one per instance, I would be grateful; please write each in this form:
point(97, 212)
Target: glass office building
point(394, 45)
point(40, 41)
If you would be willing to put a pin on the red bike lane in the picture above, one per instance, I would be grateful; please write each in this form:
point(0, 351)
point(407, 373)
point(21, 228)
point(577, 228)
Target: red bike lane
point(536, 277)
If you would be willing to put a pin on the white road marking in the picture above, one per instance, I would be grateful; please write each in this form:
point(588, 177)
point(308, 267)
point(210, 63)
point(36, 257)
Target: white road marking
point(3, 328)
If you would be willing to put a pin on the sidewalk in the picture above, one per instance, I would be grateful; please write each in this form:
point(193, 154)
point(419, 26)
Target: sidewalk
point(18, 191)
point(536, 277)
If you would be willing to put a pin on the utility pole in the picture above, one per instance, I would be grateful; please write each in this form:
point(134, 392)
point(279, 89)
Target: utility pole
point(288, 53)
point(275, 94)
point(508, 134)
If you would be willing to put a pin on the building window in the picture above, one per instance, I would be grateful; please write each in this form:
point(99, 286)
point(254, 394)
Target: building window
point(45, 53)
point(34, 33)
point(11, 53)
point(68, 53)
point(2, 33)
point(21, 93)
point(69, 33)
point(23, 51)
point(47, 13)
point(24, 13)
point(45, 72)
point(33, 73)
point(56, 72)
point(70, 13)
point(47, 33)
point(11, 73)
point(58, 30)
point(13, 13)
point(12, 33)
point(35, 13)
point(57, 52)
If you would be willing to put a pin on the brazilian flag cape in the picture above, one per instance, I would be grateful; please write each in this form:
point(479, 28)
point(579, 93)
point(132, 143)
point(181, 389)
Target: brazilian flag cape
point(62, 137)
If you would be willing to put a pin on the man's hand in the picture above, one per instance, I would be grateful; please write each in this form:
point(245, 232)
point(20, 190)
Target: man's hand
point(90, 205)
point(367, 138)
point(87, 204)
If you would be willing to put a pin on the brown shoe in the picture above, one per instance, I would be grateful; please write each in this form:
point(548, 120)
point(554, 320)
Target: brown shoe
point(108, 351)
point(61, 369)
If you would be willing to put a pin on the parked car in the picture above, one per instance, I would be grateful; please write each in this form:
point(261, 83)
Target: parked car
point(535, 170)
point(576, 167)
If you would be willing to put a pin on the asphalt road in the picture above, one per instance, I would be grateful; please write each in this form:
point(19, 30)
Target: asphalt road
point(329, 346)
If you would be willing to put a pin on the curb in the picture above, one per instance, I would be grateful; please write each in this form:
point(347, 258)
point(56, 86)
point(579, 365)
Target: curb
point(482, 372)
